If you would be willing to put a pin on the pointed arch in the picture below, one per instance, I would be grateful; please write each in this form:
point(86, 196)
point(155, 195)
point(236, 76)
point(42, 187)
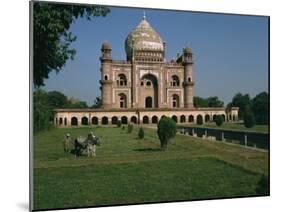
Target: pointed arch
point(122, 80)
point(175, 118)
point(122, 100)
point(114, 120)
point(145, 120)
point(175, 81)
point(182, 119)
point(104, 120)
point(74, 121)
point(175, 101)
point(134, 119)
point(207, 118)
point(154, 119)
point(84, 120)
point(124, 120)
point(95, 120)
point(191, 119)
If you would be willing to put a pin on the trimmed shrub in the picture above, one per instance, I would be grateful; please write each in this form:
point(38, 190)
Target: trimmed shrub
point(249, 119)
point(118, 123)
point(166, 130)
point(199, 120)
point(141, 133)
point(130, 128)
point(219, 120)
point(123, 127)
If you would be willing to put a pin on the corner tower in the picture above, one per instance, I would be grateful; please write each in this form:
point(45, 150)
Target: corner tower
point(106, 75)
point(188, 84)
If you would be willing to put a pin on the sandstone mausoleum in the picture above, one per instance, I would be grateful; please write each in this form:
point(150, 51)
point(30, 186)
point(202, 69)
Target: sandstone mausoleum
point(144, 87)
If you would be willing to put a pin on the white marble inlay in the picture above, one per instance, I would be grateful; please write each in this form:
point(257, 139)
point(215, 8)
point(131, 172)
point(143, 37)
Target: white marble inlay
point(144, 72)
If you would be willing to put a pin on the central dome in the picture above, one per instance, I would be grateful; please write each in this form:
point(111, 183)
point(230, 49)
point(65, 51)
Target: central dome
point(143, 37)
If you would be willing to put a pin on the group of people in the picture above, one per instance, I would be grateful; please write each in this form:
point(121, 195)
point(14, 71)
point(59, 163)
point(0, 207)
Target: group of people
point(81, 143)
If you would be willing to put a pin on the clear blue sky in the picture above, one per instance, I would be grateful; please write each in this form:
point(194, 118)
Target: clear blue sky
point(230, 51)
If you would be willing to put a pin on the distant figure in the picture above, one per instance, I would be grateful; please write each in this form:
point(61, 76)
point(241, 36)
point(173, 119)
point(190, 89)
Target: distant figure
point(66, 143)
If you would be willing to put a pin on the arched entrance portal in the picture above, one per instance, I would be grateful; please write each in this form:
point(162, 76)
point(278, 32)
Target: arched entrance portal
point(134, 119)
point(149, 87)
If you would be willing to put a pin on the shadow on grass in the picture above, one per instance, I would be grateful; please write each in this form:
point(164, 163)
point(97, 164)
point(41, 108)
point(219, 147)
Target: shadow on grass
point(148, 150)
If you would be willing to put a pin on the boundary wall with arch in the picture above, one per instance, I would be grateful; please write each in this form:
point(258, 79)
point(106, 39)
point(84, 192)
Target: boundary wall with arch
point(84, 117)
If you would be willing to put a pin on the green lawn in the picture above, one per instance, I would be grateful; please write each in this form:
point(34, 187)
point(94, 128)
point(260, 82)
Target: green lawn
point(127, 170)
point(236, 126)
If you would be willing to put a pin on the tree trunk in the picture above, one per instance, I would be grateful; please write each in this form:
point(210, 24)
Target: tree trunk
point(163, 146)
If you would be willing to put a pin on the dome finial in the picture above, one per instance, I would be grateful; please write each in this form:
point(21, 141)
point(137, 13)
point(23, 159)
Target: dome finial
point(143, 15)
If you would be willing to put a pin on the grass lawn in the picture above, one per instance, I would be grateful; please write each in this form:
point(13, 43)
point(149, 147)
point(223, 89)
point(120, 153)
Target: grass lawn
point(236, 126)
point(128, 170)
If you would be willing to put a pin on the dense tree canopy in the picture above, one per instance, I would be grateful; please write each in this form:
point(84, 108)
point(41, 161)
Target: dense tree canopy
point(78, 104)
point(200, 102)
point(241, 101)
point(256, 108)
point(52, 38)
point(97, 103)
point(44, 104)
point(57, 99)
point(260, 108)
point(41, 111)
point(212, 101)
point(249, 119)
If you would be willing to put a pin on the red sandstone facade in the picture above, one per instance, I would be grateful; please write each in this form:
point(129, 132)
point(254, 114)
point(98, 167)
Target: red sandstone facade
point(144, 87)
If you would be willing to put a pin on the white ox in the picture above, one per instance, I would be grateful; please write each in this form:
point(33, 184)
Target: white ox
point(89, 144)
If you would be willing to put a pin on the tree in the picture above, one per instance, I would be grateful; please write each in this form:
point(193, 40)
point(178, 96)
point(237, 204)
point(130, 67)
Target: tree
point(97, 103)
point(57, 99)
point(214, 101)
point(249, 119)
point(241, 101)
point(166, 130)
point(141, 133)
point(199, 102)
point(52, 39)
point(41, 111)
point(260, 106)
point(78, 104)
point(219, 120)
point(130, 128)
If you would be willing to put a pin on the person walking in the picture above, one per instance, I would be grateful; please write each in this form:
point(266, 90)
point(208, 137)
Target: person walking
point(66, 143)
